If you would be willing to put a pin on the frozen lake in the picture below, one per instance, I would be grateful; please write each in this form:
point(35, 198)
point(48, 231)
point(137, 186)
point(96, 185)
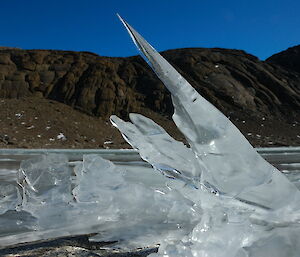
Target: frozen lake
point(286, 159)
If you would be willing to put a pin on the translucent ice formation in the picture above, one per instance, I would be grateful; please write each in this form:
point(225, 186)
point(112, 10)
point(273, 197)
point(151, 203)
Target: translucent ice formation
point(225, 157)
point(49, 198)
point(220, 161)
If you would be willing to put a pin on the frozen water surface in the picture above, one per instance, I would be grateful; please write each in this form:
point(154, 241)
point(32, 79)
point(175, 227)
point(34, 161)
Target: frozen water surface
point(218, 197)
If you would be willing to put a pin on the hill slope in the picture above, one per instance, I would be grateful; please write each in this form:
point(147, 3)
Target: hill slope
point(288, 59)
point(240, 85)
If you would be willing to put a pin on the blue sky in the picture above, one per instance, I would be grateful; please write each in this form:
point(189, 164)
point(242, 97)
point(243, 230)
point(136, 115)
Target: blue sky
point(261, 28)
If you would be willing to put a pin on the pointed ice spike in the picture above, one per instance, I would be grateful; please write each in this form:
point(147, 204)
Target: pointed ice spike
point(233, 166)
point(186, 99)
point(162, 68)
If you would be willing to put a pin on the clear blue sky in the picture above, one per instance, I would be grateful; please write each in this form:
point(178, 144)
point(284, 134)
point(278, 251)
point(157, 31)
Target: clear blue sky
point(260, 27)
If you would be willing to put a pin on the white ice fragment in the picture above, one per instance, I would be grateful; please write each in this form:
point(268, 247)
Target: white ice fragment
point(105, 143)
point(30, 127)
point(61, 136)
point(9, 196)
point(18, 115)
point(47, 177)
point(47, 128)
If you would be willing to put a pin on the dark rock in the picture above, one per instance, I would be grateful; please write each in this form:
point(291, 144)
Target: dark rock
point(288, 59)
point(16, 76)
point(47, 77)
point(6, 69)
point(4, 139)
point(72, 246)
point(5, 59)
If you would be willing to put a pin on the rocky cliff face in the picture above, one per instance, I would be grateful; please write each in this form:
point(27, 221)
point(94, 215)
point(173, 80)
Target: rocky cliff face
point(233, 80)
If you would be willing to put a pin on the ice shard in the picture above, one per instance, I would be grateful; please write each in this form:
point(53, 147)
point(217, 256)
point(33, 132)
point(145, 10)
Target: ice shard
point(228, 162)
point(173, 159)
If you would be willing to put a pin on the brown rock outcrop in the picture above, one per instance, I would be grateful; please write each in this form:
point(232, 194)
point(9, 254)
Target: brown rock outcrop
point(233, 80)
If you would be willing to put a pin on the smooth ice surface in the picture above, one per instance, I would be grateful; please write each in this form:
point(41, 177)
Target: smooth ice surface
point(217, 197)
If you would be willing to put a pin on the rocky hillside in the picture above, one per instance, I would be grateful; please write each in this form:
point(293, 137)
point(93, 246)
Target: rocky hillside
point(261, 97)
point(231, 79)
point(288, 59)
